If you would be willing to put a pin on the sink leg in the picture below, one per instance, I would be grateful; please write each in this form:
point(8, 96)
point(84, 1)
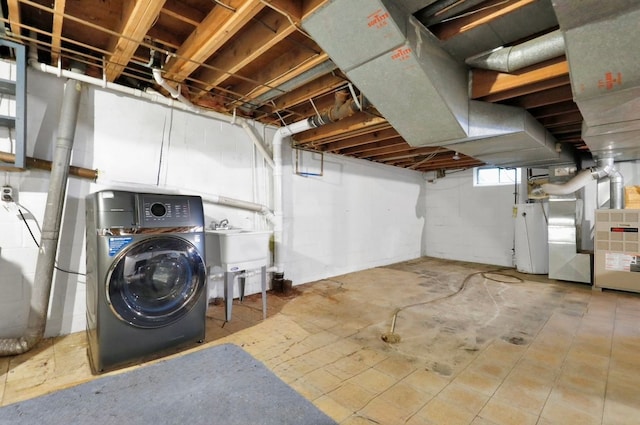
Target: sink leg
point(241, 282)
point(228, 295)
point(264, 291)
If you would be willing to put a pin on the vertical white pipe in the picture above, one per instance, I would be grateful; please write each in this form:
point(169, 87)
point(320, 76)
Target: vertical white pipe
point(278, 202)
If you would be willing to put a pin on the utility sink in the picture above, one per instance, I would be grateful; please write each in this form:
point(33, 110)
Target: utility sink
point(237, 249)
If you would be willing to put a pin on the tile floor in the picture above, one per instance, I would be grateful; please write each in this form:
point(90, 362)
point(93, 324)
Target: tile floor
point(502, 350)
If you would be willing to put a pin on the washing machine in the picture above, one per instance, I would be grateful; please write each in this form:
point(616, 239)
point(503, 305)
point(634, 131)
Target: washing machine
point(146, 276)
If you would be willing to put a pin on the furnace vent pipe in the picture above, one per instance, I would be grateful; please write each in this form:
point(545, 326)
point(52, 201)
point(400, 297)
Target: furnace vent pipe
point(513, 58)
point(573, 185)
point(50, 226)
point(606, 169)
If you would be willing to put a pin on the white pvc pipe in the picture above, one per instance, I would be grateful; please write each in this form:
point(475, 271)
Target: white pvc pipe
point(257, 143)
point(175, 93)
point(278, 203)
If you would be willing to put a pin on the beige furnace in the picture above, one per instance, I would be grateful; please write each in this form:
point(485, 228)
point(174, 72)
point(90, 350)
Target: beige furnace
point(617, 250)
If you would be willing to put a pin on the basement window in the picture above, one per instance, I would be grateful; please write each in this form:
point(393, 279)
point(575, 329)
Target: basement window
point(483, 176)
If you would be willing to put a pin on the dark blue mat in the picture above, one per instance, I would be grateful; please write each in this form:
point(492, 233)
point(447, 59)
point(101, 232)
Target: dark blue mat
point(218, 385)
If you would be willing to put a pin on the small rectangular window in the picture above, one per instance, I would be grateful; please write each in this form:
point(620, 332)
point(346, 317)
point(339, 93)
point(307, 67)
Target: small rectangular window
point(483, 176)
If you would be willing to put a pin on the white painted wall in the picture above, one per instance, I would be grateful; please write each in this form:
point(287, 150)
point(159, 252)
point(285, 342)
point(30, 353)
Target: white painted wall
point(357, 215)
point(469, 223)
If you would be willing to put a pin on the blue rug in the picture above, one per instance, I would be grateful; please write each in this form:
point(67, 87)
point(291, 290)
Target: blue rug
point(218, 385)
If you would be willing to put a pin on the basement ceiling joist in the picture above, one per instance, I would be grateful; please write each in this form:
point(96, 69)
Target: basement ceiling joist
point(252, 58)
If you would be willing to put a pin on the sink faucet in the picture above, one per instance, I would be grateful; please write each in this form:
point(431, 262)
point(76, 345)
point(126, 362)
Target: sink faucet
point(224, 224)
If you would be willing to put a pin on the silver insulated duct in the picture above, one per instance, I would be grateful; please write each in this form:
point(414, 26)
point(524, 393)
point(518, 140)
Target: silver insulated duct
point(603, 49)
point(422, 90)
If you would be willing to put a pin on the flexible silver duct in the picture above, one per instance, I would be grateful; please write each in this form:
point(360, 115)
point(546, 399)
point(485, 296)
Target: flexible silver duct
point(50, 226)
point(513, 58)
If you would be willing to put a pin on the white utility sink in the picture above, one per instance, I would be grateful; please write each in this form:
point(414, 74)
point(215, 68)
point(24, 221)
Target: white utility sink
point(237, 249)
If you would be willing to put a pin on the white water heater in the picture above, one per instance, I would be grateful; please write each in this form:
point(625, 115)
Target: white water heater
point(617, 250)
point(531, 248)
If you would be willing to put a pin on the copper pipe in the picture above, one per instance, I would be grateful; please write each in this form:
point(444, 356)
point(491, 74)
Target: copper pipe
point(43, 164)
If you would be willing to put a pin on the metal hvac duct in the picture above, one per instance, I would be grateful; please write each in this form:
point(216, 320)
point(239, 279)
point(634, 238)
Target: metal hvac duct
point(422, 90)
point(603, 49)
point(513, 58)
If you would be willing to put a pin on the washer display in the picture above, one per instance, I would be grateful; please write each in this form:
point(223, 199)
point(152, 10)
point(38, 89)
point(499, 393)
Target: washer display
point(146, 275)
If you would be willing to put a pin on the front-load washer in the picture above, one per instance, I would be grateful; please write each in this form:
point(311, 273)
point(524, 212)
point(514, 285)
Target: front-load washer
point(146, 275)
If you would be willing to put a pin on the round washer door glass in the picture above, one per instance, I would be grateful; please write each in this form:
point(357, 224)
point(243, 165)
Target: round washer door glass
point(156, 281)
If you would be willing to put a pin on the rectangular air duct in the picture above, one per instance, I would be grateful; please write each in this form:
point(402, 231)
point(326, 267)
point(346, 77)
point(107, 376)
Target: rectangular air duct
point(422, 90)
point(603, 50)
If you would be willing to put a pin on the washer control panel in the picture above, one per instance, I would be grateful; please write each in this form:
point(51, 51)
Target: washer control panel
point(169, 210)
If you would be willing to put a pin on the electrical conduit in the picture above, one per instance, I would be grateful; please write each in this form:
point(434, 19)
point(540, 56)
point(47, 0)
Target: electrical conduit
point(50, 226)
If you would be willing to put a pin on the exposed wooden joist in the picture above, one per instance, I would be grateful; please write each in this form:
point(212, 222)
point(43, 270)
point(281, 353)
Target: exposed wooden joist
point(408, 153)
point(291, 9)
point(486, 82)
point(396, 144)
point(280, 71)
point(553, 110)
point(56, 31)
point(486, 12)
point(527, 89)
point(355, 122)
point(137, 22)
point(362, 131)
point(562, 120)
point(311, 107)
point(212, 33)
point(183, 12)
point(398, 148)
point(15, 22)
point(310, 6)
point(315, 88)
point(570, 128)
point(254, 41)
point(374, 136)
point(549, 97)
point(449, 165)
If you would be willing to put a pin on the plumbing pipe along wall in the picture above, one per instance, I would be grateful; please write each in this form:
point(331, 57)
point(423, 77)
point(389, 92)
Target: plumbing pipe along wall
point(50, 226)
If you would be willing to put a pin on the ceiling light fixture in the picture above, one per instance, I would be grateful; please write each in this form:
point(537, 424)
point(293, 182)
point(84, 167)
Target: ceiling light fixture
point(455, 156)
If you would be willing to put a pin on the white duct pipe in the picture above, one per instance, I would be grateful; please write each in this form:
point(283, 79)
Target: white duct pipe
point(607, 169)
point(50, 226)
point(573, 185)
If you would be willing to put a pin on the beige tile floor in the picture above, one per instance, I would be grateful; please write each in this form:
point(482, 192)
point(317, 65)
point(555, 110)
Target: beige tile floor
point(502, 351)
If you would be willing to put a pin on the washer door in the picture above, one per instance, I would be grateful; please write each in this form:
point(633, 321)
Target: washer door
point(155, 282)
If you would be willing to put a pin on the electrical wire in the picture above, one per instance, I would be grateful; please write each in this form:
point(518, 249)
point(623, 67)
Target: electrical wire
point(55, 266)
